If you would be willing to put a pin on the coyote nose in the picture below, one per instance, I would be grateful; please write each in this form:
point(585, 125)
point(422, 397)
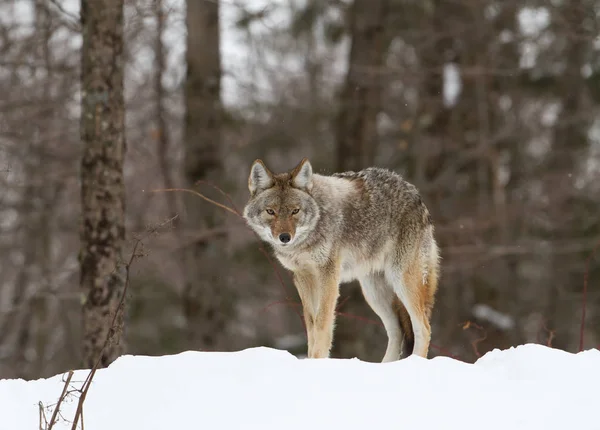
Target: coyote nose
point(285, 237)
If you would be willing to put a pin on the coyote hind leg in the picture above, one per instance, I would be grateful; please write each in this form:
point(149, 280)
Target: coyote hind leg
point(380, 297)
point(412, 289)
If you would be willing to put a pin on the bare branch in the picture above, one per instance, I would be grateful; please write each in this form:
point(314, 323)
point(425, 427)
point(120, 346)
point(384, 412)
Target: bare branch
point(60, 400)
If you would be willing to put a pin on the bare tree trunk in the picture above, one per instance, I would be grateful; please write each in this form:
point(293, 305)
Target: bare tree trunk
point(356, 136)
point(161, 110)
point(206, 300)
point(360, 102)
point(102, 185)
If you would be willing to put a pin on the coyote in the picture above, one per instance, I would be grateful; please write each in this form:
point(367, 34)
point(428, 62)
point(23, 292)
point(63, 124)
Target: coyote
point(371, 226)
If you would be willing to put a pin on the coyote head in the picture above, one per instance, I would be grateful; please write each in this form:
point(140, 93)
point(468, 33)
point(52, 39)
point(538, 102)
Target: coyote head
point(281, 209)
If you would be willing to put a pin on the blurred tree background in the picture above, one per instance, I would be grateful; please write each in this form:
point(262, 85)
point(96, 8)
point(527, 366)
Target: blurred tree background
point(490, 107)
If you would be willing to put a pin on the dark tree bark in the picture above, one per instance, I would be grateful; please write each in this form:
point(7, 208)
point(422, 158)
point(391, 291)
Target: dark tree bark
point(206, 299)
point(360, 101)
point(102, 186)
point(356, 140)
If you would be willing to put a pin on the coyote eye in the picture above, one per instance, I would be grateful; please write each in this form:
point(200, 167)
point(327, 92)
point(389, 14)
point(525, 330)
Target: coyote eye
point(270, 211)
point(295, 211)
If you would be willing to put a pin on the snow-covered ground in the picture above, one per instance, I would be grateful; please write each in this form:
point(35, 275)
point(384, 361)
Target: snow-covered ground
point(528, 387)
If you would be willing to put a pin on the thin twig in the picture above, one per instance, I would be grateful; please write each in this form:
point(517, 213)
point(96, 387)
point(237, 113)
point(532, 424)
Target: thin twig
point(342, 303)
point(474, 344)
point(223, 193)
point(60, 400)
point(551, 334)
point(202, 196)
point(44, 423)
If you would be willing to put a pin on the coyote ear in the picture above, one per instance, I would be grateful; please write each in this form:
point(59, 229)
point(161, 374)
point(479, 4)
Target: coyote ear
point(302, 175)
point(260, 177)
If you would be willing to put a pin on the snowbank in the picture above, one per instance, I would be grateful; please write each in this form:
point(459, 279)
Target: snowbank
point(528, 387)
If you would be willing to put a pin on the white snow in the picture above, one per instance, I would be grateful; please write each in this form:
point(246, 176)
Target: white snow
point(528, 387)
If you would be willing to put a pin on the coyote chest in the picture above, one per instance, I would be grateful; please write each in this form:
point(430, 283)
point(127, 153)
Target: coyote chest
point(353, 264)
point(304, 260)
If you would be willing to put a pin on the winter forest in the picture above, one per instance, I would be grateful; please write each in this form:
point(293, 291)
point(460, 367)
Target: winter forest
point(128, 128)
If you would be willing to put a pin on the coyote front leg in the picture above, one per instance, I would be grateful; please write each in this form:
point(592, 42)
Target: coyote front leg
point(306, 284)
point(319, 293)
point(329, 291)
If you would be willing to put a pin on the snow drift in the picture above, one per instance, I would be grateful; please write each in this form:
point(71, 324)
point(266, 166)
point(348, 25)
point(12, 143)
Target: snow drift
point(528, 387)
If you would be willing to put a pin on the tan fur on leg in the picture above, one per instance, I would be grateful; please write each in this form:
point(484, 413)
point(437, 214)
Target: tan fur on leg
point(325, 320)
point(306, 284)
point(417, 295)
point(319, 293)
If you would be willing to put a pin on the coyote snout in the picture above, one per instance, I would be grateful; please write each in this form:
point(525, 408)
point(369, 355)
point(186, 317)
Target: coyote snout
point(285, 238)
point(283, 225)
point(369, 225)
